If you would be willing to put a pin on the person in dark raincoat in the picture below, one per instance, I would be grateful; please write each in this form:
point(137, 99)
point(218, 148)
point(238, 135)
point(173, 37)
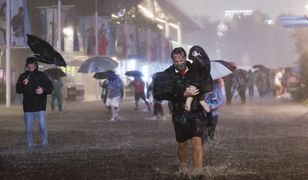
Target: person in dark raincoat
point(250, 83)
point(241, 86)
point(158, 111)
point(229, 83)
point(192, 126)
point(35, 86)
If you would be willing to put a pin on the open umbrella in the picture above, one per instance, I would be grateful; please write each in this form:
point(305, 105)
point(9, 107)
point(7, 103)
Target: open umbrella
point(221, 68)
point(104, 75)
point(98, 64)
point(260, 67)
point(54, 73)
point(134, 73)
point(44, 51)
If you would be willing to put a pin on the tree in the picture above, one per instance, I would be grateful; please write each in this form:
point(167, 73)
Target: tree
point(251, 40)
point(206, 37)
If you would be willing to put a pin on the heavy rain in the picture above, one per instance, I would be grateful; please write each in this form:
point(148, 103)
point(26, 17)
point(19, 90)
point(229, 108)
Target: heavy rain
point(153, 89)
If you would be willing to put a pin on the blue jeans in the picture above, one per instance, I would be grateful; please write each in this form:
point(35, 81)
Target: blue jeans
point(29, 118)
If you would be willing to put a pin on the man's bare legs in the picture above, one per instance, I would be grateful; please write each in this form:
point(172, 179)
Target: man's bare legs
point(197, 153)
point(136, 105)
point(182, 154)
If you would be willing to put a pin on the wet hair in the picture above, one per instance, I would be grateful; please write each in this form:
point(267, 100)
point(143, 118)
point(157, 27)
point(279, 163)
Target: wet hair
point(31, 60)
point(20, 9)
point(199, 50)
point(178, 50)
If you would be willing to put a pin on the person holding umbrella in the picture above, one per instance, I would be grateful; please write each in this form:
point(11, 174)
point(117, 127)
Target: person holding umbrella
point(35, 86)
point(139, 84)
point(114, 95)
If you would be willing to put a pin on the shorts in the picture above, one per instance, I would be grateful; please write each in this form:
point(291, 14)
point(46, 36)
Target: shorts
point(113, 101)
point(139, 95)
point(194, 127)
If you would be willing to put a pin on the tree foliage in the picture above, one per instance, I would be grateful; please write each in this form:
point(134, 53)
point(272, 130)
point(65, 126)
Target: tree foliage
point(206, 37)
point(250, 40)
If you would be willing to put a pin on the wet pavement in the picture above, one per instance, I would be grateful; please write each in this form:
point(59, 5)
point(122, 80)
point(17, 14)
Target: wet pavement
point(264, 139)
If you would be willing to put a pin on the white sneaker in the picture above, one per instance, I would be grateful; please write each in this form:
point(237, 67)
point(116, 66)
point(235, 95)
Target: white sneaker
point(118, 117)
point(163, 118)
point(112, 119)
point(154, 118)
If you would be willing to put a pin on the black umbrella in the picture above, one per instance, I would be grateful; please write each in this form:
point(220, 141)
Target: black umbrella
point(134, 73)
point(104, 75)
point(44, 51)
point(54, 73)
point(260, 67)
point(221, 68)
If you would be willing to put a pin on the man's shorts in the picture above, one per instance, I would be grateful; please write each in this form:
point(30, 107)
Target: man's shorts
point(139, 95)
point(113, 101)
point(194, 127)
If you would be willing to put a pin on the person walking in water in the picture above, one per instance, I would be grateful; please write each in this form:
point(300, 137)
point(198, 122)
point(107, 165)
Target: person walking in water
point(139, 84)
point(114, 95)
point(192, 126)
point(35, 86)
point(56, 95)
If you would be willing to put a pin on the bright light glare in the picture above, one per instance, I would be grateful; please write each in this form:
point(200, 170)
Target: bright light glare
point(145, 72)
point(131, 65)
point(68, 31)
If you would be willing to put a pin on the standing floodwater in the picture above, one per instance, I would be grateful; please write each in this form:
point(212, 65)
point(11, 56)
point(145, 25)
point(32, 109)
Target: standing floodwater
point(252, 142)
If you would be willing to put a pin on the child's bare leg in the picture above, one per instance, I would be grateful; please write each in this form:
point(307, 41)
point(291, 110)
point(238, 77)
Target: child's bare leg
point(205, 106)
point(188, 103)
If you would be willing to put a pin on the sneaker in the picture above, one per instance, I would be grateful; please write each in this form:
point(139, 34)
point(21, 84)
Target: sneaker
point(154, 118)
point(151, 118)
point(163, 118)
point(118, 117)
point(112, 119)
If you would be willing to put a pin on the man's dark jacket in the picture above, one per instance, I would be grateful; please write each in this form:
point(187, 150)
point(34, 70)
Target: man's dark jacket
point(174, 90)
point(33, 102)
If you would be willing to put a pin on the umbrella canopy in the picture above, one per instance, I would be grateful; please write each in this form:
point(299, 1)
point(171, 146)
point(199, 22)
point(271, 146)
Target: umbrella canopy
point(260, 67)
point(221, 68)
point(134, 73)
point(54, 73)
point(98, 64)
point(104, 75)
point(44, 51)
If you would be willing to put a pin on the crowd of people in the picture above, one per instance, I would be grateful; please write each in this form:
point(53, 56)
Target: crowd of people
point(193, 100)
point(259, 82)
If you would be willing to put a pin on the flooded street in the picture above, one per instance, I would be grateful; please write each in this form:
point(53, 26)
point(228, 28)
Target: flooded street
point(264, 139)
